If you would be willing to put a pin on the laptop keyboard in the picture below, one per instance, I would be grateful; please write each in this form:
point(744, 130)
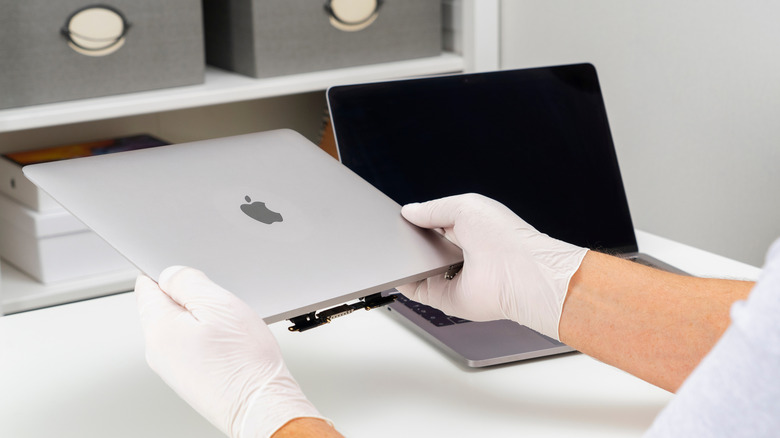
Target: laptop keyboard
point(433, 315)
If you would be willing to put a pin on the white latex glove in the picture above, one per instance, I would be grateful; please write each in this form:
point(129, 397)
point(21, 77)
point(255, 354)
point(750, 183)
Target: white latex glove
point(510, 271)
point(217, 354)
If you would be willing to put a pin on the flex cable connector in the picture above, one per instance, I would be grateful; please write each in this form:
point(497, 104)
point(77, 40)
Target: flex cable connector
point(316, 319)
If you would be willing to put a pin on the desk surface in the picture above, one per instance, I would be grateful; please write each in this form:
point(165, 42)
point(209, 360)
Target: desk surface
point(78, 370)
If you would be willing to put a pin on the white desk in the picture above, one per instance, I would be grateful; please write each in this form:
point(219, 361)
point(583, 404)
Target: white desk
point(78, 370)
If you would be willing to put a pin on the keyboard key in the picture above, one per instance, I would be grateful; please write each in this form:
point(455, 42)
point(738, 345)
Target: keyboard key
point(433, 315)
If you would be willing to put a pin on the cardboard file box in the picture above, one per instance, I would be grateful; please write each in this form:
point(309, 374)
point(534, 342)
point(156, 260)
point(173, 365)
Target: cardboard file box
point(70, 49)
point(53, 246)
point(262, 38)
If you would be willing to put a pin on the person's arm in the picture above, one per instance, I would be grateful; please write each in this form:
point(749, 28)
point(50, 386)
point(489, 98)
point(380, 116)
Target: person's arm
point(734, 390)
point(653, 324)
point(307, 428)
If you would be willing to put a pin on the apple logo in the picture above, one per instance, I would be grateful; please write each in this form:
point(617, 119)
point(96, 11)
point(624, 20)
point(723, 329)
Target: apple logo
point(259, 212)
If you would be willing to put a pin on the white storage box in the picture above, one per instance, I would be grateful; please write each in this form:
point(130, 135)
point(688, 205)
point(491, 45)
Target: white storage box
point(53, 246)
point(14, 184)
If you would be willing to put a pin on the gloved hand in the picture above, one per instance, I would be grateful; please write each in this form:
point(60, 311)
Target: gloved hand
point(510, 271)
point(217, 354)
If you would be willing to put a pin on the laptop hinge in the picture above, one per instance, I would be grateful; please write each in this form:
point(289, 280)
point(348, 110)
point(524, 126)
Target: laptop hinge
point(315, 319)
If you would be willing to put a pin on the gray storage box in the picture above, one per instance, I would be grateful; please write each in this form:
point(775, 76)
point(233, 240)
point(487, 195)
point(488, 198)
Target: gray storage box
point(262, 38)
point(60, 50)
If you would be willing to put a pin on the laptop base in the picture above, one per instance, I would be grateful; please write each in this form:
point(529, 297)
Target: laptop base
point(477, 344)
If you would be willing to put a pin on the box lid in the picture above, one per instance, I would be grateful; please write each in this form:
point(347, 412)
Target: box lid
point(48, 224)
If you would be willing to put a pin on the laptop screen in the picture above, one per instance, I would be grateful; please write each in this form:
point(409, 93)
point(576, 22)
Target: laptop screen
point(536, 140)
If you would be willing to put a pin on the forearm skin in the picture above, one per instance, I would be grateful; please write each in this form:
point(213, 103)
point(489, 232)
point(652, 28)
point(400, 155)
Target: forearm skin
point(653, 324)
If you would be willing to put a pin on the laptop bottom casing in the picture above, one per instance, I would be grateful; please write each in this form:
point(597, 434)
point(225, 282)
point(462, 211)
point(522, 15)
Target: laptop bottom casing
point(480, 344)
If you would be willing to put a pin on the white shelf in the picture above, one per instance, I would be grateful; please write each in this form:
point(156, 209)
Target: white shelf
point(219, 87)
point(19, 292)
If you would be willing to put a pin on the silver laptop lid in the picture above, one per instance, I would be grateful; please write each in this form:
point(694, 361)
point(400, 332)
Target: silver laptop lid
point(268, 216)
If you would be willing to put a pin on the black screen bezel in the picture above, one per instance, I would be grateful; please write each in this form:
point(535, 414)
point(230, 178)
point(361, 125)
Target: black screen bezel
point(580, 199)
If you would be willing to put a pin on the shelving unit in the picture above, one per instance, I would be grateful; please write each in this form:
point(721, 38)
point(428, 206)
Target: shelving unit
point(19, 292)
point(220, 87)
point(471, 40)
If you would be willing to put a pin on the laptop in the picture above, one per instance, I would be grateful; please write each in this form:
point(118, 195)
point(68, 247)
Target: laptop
point(536, 140)
point(268, 216)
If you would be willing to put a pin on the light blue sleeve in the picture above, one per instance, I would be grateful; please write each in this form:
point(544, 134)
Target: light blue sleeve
point(735, 390)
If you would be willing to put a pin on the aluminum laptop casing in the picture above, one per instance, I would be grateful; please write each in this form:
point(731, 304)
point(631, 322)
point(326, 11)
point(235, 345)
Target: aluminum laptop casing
point(339, 238)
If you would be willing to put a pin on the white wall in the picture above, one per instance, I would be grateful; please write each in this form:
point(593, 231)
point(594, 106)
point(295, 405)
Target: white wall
point(692, 89)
